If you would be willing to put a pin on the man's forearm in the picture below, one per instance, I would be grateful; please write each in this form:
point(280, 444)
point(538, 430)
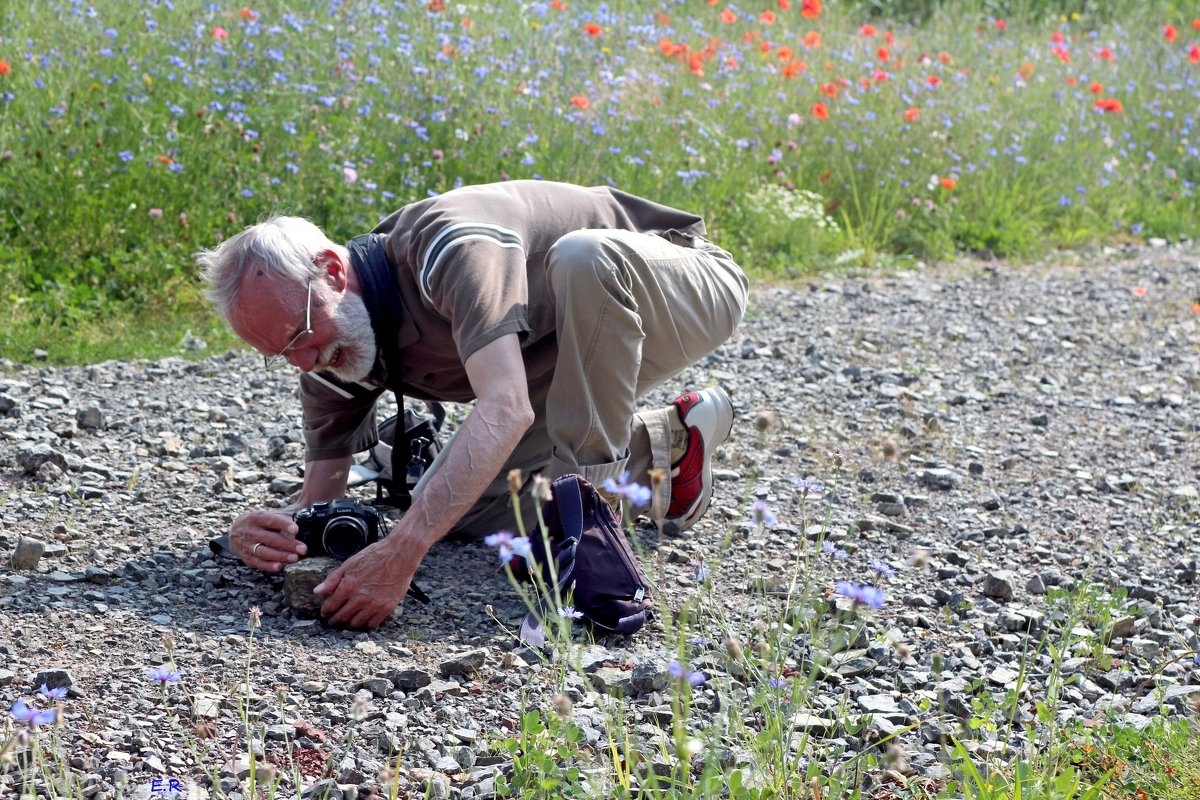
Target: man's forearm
point(479, 451)
point(324, 480)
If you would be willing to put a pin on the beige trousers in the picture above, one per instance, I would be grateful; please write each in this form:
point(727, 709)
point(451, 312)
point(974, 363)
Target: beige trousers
point(632, 310)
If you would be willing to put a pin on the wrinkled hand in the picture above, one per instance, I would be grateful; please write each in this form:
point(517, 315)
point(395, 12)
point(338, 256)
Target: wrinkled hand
point(266, 540)
point(367, 587)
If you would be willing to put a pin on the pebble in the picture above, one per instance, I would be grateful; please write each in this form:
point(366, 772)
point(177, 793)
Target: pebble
point(27, 554)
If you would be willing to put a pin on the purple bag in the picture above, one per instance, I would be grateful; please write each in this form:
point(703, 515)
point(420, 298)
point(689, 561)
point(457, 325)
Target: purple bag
point(597, 570)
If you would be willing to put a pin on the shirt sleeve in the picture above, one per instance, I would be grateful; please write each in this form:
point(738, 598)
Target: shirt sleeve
point(339, 418)
point(474, 275)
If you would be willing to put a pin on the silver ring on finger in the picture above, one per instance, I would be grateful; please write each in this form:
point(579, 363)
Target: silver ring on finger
point(254, 550)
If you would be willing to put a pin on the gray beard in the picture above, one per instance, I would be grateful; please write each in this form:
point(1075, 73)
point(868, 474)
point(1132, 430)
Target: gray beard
point(356, 338)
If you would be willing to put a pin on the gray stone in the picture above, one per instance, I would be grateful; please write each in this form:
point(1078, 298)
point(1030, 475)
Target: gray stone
point(31, 457)
point(467, 663)
point(53, 679)
point(878, 704)
point(649, 675)
point(90, 418)
point(301, 578)
point(326, 789)
point(379, 687)
point(999, 585)
point(611, 680)
point(27, 555)
point(942, 479)
point(408, 679)
point(813, 724)
point(1035, 585)
point(1123, 628)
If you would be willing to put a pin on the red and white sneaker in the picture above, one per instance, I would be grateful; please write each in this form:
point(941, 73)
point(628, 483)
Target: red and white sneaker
point(708, 417)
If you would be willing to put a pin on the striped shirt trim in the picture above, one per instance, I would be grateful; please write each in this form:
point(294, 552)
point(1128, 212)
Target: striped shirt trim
point(347, 390)
point(459, 233)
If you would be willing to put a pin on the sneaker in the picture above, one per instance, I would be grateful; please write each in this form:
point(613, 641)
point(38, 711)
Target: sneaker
point(708, 418)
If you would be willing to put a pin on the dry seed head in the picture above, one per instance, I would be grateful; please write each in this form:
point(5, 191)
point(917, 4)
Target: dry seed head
point(515, 480)
point(562, 705)
point(765, 421)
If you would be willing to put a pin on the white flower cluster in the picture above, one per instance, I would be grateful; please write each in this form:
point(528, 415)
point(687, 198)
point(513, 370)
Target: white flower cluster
point(795, 205)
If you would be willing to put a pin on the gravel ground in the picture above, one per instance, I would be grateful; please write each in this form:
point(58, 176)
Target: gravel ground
point(994, 433)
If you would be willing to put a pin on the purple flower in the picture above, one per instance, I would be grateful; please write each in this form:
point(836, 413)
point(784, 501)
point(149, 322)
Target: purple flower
point(699, 641)
point(1198, 658)
point(247, 193)
point(509, 544)
point(883, 568)
point(52, 694)
point(126, 156)
point(761, 513)
point(31, 716)
point(569, 612)
point(832, 550)
point(809, 486)
point(164, 675)
point(702, 572)
point(633, 493)
point(861, 594)
point(777, 683)
point(679, 672)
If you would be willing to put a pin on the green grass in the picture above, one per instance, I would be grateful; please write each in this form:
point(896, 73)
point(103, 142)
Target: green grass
point(134, 137)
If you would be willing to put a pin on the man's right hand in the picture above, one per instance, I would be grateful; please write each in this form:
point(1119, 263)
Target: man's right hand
point(266, 540)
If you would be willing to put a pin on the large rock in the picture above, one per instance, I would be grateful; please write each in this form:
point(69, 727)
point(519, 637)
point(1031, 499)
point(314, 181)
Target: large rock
point(301, 578)
point(27, 554)
point(463, 663)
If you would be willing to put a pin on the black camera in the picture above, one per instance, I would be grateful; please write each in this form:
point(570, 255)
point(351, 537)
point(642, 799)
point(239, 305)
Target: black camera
point(338, 528)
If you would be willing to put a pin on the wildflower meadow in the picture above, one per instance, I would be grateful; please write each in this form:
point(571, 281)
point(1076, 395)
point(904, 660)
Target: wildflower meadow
point(810, 135)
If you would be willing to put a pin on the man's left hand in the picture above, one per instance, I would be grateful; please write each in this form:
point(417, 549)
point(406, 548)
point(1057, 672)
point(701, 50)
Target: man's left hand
point(367, 587)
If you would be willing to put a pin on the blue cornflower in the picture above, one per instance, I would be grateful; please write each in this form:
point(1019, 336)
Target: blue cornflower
point(809, 485)
point(761, 514)
point(57, 693)
point(883, 568)
point(699, 641)
point(569, 612)
point(861, 594)
point(247, 193)
point(679, 672)
point(777, 683)
point(164, 675)
point(633, 493)
point(702, 572)
point(1198, 659)
point(126, 156)
point(31, 716)
point(832, 550)
point(509, 544)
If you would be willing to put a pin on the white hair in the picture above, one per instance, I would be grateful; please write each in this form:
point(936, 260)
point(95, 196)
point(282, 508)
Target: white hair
point(281, 246)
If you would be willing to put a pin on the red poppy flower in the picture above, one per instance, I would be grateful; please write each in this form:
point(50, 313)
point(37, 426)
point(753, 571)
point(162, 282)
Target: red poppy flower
point(580, 101)
point(1062, 54)
point(1109, 104)
point(829, 89)
point(248, 14)
point(591, 29)
point(784, 53)
point(728, 17)
point(812, 40)
point(784, 5)
point(1095, 87)
point(811, 9)
point(1194, 54)
point(558, 5)
point(794, 68)
point(889, 37)
point(4, 67)
point(882, 54)
point(947, 183)
point(1196, 24)
point(879, 76)
point(1057, 38)
point(868, 30)
point(911, 114)
point(1105, 54)
point(1170, 32)
point(1001, 25)
point(767, 18)
point(220, 34)
point(944, 58)
point(820, 111)
point(933, 80)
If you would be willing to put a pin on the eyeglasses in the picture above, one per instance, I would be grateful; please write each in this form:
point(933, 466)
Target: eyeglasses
point(299, 340)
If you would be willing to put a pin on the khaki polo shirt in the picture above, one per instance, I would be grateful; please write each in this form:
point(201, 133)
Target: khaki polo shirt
point(470, 265)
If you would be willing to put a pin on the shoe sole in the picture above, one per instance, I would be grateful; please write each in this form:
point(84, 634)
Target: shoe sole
point(724, 426)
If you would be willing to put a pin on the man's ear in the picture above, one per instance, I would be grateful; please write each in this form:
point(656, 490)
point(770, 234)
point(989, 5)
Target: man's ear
point(334, 267)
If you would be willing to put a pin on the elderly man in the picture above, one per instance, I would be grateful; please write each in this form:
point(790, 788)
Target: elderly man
point(553, 307)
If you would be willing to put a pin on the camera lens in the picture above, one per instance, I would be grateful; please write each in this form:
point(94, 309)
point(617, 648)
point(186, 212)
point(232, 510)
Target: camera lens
point(344, 536)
